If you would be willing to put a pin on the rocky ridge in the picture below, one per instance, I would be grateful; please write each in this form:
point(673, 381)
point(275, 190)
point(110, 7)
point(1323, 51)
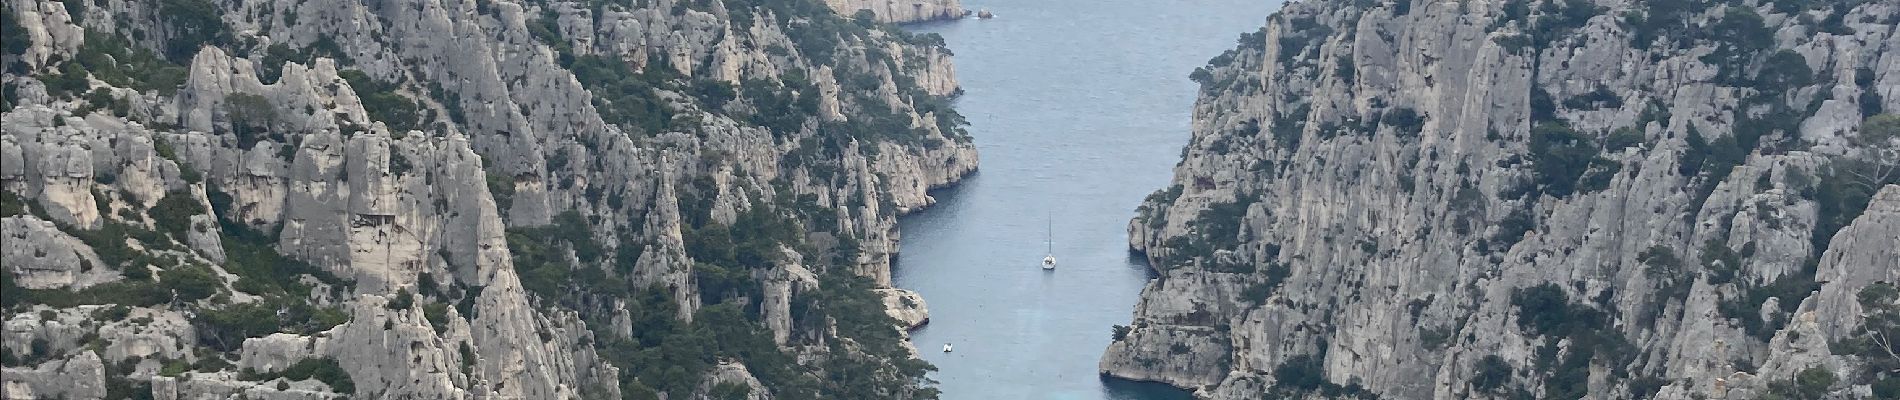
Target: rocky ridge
point(1516, 199)
point(462, 198)
point(901, 11)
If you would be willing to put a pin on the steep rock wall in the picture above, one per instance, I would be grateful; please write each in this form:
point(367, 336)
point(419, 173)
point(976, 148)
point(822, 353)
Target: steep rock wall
point(462, 198)
point(1602, 199)
point(900, 11)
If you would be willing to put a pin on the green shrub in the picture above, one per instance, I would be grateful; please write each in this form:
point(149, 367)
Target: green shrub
point(193, 24)
point(1880, 314)
point(1598, 175)
point(502, 188)
point(1600, 98)
point(252, 119)
point(173, 213)
point(1546, 310)
point(1887, 389)
point(325, 370)
point(113, 313)
point(226, 328)
point(1302, 372)
point(403, 300)
point(397, 112)
point(1491, 373)
point(1405, 121)
point(1740, 34)
point(1559, 156)
point(1782, 71)
point(438, 316)
point(1435, 338)
point(191, 282)
point(547, 29)
point(131, 293)
point(1511, 230)
point(624, 97)
point(76, 9)
point(1815, 380)
point(122, 387)
point(13, 39)
point(1623, 138)
point(1720, 261)
point(11, 204)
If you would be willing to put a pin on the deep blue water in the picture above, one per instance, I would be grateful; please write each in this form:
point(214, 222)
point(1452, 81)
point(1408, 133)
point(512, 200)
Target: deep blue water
point(1079, 109)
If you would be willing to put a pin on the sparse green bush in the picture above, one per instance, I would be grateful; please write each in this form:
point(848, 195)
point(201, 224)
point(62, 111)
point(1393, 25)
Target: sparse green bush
point(403, 300)
point(173, 213)
point(191, 282)
point(438, 316)
point(1560, 156)
point(1301, 372)
point(325, 370)
point(1600, 98)
point(1491, 373)
point(397, 112)
point(252, 119)
point(1405, 121)
point(193, 24)
point(1623, 138)
point(13, 39)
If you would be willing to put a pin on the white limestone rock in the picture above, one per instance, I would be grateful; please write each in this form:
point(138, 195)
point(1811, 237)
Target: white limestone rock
point(40, 256)
point(905, 306)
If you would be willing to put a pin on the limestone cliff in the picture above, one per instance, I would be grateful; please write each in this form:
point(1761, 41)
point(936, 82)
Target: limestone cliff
point(900, 11)
point(1532, 199)
point(312, 199)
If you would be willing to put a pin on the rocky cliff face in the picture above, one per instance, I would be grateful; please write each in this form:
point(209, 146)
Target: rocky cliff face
point(1515, 199)
point(901, 11)
point(462, 198)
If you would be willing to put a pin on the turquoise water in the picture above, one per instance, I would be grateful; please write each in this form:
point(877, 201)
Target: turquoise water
point(1079, 109)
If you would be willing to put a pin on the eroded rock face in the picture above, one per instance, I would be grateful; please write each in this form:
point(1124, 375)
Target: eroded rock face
point(901, 11)
point(727, 379)
point(39, 256)
point(81, 376)
point(454, 199)
point(905, 306)
point(1377, 198)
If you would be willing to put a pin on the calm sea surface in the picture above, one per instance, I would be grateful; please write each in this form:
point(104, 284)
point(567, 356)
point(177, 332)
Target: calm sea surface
point(1080, 109)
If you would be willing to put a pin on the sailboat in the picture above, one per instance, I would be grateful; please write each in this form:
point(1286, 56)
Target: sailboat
point(1049, 261)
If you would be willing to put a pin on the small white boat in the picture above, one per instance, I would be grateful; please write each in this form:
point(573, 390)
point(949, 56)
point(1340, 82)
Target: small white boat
point(1049, 261)
point(946, 347)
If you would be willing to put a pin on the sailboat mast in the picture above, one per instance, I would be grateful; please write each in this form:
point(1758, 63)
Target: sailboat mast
point(1051, 240)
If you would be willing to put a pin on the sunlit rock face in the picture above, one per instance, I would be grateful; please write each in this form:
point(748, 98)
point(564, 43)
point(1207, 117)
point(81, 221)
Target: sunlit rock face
point(901, 11)
point(1425, 199)
point(323, 199)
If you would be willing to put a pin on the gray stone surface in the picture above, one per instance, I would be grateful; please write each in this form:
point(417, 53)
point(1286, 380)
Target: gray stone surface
point(901, 11)
point(384, 209)
point(1388, 237)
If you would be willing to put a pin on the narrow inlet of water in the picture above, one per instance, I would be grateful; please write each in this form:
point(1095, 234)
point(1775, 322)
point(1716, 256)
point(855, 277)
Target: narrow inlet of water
point(1080, 109)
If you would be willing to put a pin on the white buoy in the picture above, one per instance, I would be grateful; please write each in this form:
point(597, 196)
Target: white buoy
point(946, 347)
